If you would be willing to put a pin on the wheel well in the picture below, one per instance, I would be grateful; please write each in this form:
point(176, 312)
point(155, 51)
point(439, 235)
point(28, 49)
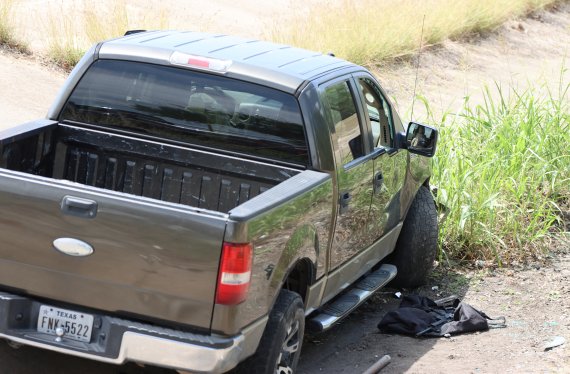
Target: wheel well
point(300, 278)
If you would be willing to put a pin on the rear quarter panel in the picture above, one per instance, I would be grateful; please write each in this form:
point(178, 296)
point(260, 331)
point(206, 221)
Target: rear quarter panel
point(290, 222)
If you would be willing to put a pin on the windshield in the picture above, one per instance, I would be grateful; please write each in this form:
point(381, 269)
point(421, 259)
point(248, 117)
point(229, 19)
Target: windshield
point(190, 107)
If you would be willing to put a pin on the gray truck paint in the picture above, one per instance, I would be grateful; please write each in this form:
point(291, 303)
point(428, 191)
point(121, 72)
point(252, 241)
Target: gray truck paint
point(159, 259)
point(143, 262)
point(291, 221)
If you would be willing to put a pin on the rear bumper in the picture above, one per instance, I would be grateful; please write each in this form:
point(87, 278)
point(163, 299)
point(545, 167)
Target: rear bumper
point(117, 341)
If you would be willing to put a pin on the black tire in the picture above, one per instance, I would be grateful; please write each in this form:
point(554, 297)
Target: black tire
point(280, 345)
point(417, 245)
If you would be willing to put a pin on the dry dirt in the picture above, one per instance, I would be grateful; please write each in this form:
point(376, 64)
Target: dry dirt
point(535, 299)
point(519, 54)
point(26, 89)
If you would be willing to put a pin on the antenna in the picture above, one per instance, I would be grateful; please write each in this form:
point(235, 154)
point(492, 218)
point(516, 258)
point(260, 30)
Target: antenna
point(418, 67)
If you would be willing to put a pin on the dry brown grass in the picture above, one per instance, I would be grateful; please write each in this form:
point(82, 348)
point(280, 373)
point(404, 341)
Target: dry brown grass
point(368, 31)
point(72, 32)
point(7, 36)
point(99, 26)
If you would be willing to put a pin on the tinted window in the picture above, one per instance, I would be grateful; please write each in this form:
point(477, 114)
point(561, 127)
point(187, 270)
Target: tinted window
point(191, 107)
point(347, 129)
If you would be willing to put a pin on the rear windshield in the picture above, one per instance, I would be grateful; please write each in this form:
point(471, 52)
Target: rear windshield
point(190, 107)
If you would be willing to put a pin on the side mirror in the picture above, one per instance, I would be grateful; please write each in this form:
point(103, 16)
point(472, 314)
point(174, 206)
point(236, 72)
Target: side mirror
point(420, 139)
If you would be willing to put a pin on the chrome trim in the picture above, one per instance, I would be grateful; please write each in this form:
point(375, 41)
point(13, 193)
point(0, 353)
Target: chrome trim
point(141, 344)
point(325, 321)
point(148, 349)
point(73, 247)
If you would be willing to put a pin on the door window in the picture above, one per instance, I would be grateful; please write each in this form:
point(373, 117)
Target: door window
point(345, 119)
point(379, 112)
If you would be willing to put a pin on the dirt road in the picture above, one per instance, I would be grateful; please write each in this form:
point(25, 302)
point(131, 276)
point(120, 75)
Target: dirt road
point(535, 300)
point(26, 89)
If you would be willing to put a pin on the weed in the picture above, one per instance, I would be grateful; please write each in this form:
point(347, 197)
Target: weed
point(7, 37)
point(5, 27)
point(65, 46)
point(502, 169)
point(100, 26)
point(369, 31)
point(73, 32)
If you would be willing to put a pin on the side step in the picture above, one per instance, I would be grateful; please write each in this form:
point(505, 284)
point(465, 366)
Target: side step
point(343, 305)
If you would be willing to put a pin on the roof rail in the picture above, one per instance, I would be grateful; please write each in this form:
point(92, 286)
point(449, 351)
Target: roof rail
point(133, 32)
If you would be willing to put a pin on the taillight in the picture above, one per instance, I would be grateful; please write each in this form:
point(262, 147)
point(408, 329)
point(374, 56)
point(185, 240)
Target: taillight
point(235, 273)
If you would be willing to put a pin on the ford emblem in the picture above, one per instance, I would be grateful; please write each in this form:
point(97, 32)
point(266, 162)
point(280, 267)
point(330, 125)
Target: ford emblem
point(72, 247)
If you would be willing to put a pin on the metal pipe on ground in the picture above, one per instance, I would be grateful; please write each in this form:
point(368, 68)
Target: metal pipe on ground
point(379, 365)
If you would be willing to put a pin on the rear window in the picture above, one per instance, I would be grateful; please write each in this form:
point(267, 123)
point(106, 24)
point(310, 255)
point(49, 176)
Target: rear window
point(190, 107)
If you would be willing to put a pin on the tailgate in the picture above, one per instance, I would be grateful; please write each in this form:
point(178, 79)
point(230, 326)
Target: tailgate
point(150, 258)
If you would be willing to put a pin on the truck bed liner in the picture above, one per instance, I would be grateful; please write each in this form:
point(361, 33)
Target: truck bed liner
point(141, 167)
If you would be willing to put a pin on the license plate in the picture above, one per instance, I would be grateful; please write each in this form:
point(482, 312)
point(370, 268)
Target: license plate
point(75, 325)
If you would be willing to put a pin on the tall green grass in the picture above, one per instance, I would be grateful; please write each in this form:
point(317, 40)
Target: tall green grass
point(369, 31)
point(502, 171)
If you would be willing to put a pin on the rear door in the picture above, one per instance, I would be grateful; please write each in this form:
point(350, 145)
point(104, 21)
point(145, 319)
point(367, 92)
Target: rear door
point(354, 166)
point(150, 258)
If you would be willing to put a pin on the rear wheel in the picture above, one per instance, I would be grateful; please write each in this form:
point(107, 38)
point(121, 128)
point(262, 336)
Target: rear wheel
point(280, 345)
point(417, 245)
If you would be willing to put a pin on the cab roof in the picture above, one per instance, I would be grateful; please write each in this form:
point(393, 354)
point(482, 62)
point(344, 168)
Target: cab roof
point(270, 64)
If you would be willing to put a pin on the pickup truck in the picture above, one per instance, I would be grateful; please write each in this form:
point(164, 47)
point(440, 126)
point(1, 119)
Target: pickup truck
point(197, 201)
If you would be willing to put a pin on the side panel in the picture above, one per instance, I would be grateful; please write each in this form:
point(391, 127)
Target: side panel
point(412, 170)
point(292, 221)
point(360, 264)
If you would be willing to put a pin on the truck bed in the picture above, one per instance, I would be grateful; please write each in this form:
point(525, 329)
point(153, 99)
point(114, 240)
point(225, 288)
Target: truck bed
point(140, 167)
point(153, 258)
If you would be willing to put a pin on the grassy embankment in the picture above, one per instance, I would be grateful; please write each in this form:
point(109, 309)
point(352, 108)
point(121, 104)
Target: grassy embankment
point(7, 36)
point(503, 172)
point(369, 31)
point(363, 31)
point(71, 34)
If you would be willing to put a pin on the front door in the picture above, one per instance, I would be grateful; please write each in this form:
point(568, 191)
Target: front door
point(388, 170)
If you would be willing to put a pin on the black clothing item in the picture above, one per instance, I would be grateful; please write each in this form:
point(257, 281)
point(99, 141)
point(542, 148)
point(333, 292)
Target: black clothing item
point(466, 319)
point(421, 316)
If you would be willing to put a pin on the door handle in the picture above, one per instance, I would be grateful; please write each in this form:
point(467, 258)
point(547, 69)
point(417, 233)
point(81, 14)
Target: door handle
point(378, 181)
point(345, 198)
point(78, 207)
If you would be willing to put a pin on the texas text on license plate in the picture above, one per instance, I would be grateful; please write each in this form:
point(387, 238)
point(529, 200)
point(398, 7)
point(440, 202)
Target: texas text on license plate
point(75, 325)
